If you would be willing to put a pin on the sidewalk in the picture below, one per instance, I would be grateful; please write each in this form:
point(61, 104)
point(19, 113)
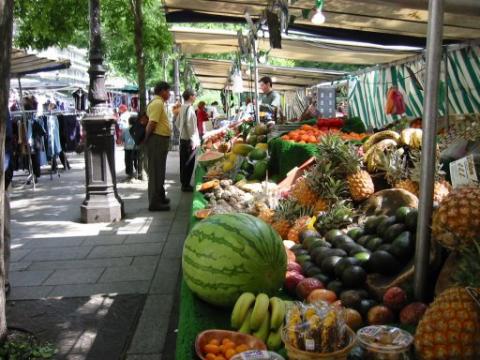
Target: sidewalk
point(136, 261)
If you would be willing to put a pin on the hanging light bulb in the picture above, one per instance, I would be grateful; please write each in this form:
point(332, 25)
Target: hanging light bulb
point(318, 18)
point(237, 83)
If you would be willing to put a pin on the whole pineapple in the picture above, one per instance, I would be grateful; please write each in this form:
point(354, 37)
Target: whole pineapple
point(360, 182)
point(441, 187)
point(298, 226)
point(347, 163)
point(282, 220)
point(456, 222)
point(303, 191)
point(339, 216)
point(450, 328)
point(397, 172)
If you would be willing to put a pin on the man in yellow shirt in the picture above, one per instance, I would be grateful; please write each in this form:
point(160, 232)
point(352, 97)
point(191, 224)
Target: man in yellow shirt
point(157, 139)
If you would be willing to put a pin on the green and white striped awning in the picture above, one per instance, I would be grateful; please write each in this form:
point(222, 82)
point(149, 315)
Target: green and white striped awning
point(367, 92)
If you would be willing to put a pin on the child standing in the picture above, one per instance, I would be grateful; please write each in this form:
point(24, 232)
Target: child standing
point(131, 151)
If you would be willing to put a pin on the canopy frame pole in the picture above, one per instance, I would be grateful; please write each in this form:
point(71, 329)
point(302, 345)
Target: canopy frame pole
point(31, 177)
point(427, 179)
point(176, 66)
point(255, 70)
point(447, 105)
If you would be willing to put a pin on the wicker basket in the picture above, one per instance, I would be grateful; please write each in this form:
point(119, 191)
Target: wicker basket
point(296, 354)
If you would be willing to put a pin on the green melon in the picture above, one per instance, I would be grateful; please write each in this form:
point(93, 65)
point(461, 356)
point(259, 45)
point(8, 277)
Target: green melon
point(227, 255)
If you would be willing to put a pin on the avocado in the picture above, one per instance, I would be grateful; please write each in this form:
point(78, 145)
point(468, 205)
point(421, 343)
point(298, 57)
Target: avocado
point(313, 270)
point(257, 154)
point(336, 286)
point(301, 252)
point(332, 234)
point(348, 246)
point(246, 166)
point(402, 212)
point(366, 305)
point(363, 293)
point(351, 299)
point(364, 239)
point(384, 263)
point(321, 255)
point(341, 239)
point(306, 265)
point(308, 241)
point(325, 279)
point(303, 258)
point(386, 247)
point(362, 257)
point(411, 220)
point(316, 251)
point(355, 233)
point(356, 249)
point(372, 223)
point(354, 276)
point(296, 247)
point(373, 244)
point(318, 243)
point(403, 246)
point(343, 264)
point(328, 264)
point(385, 224)
point(260, 170)
point(308, 233)
point(393, 231)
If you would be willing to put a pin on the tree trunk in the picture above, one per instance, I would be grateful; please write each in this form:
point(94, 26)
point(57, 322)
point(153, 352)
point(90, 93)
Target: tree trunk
point(6, 19)
point(136, 6)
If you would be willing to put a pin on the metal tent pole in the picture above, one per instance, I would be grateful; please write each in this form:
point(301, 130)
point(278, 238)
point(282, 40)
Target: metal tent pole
point(430, 106)
point(447, 105)
point(177, 74)
point(255, 70)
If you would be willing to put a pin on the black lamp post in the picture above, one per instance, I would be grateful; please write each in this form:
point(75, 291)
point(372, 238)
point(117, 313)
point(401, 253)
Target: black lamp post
point(102, 203)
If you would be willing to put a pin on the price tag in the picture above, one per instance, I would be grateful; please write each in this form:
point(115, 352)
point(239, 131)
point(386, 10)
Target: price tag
point(463, 172)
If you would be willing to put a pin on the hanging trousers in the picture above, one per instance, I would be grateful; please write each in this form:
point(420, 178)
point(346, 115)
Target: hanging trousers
point(187, 162)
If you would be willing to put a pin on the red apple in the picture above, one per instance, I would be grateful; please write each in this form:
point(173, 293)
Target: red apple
point(291, 281)
point(307, 285)
point(294, 266)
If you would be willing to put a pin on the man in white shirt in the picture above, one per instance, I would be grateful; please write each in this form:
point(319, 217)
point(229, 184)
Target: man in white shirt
point(186, 122)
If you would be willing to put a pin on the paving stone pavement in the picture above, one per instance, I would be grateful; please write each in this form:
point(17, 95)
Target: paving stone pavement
point(56, 256)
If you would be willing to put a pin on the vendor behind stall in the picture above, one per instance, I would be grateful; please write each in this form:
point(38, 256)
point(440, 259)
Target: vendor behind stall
point(270, 101)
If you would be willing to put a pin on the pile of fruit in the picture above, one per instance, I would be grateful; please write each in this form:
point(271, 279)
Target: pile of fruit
point(223, 350)
point(318, 328)
point(261, 317)
point(312, 134)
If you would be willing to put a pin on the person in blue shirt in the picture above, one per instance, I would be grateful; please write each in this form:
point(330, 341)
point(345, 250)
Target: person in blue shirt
point(131, 151)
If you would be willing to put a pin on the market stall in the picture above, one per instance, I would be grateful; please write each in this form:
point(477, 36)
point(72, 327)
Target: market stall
point(347, 238)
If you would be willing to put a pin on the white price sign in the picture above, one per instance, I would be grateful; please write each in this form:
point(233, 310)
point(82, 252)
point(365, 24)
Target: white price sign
point(463, 172)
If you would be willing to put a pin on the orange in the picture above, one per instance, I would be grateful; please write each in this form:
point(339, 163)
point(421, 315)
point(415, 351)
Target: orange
point(241, 348)
point(211, 348)
point(214, 342)
point(210, 356)
point(228, 345)
point(230, 353)
point(220, 358)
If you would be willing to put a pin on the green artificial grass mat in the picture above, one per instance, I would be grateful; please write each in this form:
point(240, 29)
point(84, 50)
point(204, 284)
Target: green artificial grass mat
point(195, 314)
point(285, 155)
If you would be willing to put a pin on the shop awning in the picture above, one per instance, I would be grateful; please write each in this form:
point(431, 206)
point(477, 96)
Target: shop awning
point(215, 74)
point(396, 17)
point(23, 63)
point(295, 46)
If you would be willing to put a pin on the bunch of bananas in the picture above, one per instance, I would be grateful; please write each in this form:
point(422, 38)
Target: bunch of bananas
point(261, 317)
point(314, 329)
point(375, 146)
point(412, 138)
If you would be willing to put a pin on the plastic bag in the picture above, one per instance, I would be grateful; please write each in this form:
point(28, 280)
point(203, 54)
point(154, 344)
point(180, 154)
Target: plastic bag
point(318, 327)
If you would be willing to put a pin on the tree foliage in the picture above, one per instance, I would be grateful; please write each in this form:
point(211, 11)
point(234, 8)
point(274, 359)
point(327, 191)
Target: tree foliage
point(44, 23)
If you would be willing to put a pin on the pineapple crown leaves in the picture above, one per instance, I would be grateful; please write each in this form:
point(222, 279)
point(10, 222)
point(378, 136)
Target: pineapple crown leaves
point(291, 210)
point(416, 157)
point(326, 181)
point(468, 271)
point(343, 156)
point(395, 165)
point(338, 216)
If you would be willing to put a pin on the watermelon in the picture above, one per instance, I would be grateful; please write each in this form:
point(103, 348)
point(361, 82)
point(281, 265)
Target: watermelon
point(227, 255)
point(210, 157)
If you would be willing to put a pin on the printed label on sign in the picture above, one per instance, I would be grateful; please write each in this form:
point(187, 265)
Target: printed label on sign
point(463, 172)
point(309, 344)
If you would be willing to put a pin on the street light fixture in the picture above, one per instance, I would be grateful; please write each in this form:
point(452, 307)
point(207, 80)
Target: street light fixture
point(318, 18)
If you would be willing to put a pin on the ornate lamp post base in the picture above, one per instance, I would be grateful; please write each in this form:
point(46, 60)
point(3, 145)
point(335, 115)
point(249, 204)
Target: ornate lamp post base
point(102, 203)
